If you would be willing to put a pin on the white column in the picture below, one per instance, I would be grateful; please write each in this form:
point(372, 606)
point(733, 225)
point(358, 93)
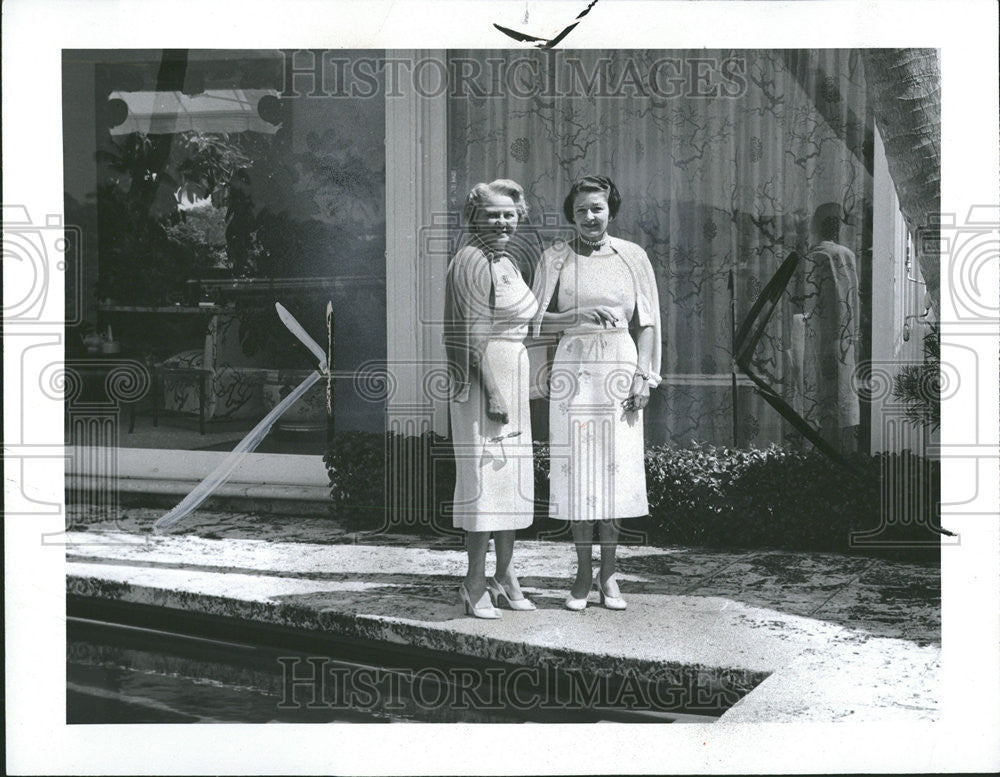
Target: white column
point(894, 297)
point(416, 258)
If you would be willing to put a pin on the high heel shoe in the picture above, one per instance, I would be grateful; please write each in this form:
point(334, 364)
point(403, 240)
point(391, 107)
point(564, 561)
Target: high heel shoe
point(498, 594)
point(611, 602)
point(488, 611)
point(574, 604)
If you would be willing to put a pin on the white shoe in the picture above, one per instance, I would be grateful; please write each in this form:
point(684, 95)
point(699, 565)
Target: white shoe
point(486, 611)
point(575, 604)
point(499, 594)
point(611, 602)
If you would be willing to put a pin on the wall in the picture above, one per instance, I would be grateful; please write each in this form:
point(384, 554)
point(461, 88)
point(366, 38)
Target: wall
point(898, 299)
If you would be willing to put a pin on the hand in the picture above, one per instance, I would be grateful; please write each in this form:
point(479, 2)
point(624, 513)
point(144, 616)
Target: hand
point(638, 395)
point(496, 408)
point(600, 314)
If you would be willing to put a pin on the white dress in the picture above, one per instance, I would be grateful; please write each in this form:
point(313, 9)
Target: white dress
point(597, 464)
point(494, 467)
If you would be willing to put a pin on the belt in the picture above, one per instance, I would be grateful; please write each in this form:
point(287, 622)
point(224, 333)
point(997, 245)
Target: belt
point(594, 330)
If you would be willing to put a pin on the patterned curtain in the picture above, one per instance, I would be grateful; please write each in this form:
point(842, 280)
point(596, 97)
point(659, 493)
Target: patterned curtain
point(718, 189)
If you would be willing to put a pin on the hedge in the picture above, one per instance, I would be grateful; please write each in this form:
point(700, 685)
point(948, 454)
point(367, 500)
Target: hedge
point(701, 496)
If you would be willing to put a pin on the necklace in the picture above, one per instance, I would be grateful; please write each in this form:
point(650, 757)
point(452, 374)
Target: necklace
point(593, 243)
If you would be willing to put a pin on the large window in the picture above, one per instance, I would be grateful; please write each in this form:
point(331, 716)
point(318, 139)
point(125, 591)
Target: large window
point(203, 197)
point(727, 160)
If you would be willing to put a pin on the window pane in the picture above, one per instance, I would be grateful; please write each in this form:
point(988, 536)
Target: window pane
point(212, 198)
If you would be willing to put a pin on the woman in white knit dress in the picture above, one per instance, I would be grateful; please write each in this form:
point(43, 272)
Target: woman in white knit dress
point(590, 292)
point(488, 311)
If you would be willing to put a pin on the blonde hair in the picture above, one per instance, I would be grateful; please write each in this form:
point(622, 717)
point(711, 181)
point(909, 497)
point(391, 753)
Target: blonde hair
point(502, 186)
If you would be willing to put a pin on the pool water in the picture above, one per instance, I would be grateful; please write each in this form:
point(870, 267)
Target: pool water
point(124, 673)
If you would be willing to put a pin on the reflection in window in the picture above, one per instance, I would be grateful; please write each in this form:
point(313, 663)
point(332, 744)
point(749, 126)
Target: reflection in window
point(215, 199)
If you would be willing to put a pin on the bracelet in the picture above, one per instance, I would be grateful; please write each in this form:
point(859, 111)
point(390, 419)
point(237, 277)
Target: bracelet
point(641, 374)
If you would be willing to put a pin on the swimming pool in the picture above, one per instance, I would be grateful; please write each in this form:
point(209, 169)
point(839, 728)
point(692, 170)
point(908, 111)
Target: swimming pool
point(141, 664)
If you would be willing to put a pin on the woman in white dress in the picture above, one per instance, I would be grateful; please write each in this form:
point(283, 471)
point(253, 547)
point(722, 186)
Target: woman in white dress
point(488, 311)
point(591, 291)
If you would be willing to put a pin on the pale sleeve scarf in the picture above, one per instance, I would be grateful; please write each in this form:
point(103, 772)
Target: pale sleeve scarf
point(469, 307)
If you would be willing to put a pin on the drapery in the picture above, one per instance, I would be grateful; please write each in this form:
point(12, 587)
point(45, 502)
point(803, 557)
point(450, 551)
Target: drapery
point(722, 159)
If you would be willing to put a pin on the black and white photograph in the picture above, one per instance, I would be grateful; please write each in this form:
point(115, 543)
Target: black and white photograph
point(501, 363)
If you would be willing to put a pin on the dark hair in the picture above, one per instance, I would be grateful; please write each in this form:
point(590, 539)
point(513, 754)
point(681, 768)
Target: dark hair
point(593, 183)
point(826, 221)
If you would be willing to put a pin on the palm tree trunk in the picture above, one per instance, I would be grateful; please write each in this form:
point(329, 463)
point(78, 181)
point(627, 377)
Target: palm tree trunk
point(905, 90)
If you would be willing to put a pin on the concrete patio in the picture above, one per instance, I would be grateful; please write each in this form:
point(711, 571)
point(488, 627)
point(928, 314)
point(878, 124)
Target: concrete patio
point(819, 637)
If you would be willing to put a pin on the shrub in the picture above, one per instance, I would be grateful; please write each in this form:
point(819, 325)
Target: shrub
point(391, 481)
point(918, 386)
point(355, 463)
point(702, 496)
point(773, 497)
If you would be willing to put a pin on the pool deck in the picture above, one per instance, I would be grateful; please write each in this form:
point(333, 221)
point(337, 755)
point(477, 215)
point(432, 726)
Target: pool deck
point(822, 637)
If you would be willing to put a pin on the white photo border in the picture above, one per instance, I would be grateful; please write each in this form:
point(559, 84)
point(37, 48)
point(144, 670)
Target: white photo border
point(39, 741)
